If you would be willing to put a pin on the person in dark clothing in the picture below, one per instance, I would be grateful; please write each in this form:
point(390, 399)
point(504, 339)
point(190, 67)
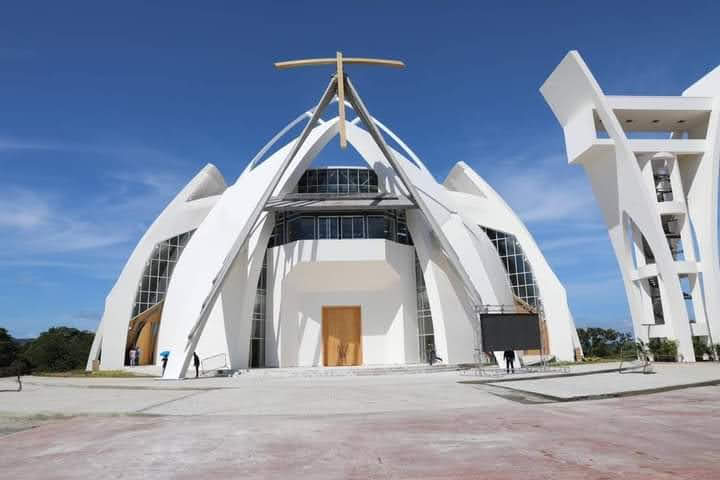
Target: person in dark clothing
point(164, 363)
point(432, 356)
point(196, 362)
point(509, 357)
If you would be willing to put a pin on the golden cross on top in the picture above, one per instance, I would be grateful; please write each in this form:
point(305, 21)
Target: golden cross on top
point(339, 61)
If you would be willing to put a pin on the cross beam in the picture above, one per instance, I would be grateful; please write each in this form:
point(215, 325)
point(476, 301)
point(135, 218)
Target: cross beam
point(315, 62)
point(339, 62)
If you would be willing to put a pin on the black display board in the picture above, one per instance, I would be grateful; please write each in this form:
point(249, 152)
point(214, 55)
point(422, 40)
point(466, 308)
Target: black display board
point(510, 331)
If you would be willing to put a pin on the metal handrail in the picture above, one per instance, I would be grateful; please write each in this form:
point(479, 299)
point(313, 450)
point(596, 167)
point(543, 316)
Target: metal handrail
point(641, 354)
point(219, 355)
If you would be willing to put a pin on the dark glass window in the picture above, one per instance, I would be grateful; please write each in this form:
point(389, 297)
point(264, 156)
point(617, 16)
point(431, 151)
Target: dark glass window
point(322, 180)
point(376, 227)
point(426, 334)
point(347, 227)
point(403, 236)
point(387, 224)
point(278, 234)
point(364, 180)
point(343, 182)
point(328, 227)
point(390, 232)
point(338, 180)
point(259, 315)
point(332, 180)
point(354, 185)
point(358, 227)
point(312, 181)
point(301, 228)
point(373, 181)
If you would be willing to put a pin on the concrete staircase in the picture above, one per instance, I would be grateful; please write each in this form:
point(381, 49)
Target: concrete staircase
point(370, 370)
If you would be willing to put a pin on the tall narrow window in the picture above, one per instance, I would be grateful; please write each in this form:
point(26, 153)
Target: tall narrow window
point(426, 334)
point(343, 181)
point(259, 315)
point(332, 181)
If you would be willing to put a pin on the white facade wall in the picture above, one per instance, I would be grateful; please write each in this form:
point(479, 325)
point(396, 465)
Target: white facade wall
point(377, 275)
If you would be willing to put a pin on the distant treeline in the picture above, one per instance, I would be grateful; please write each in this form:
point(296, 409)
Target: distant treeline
point(58, 349)
point(604, 342)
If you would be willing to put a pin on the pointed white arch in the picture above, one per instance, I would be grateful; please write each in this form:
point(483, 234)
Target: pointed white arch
point(184, 213)
point(480, 204)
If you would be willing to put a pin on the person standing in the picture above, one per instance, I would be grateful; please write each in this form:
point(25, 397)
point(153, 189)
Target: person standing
point(133, 356)
point(196, 362)
point(164, 363)
point(509, 357)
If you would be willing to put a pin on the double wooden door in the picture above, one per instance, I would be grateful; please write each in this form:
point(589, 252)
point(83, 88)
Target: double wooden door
point(342, 336)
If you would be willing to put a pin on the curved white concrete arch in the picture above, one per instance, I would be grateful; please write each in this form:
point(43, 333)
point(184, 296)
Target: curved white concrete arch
point(478, 203)
point(407, 150)
point(184, 213)
point(276, 138)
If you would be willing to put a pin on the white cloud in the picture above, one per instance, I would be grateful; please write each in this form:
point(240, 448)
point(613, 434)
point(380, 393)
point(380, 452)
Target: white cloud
point(539, 193)
point(574, 241)
point(122, 198)
point(22, 209)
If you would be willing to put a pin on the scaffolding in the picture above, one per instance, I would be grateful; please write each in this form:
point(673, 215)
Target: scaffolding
point(484, 362)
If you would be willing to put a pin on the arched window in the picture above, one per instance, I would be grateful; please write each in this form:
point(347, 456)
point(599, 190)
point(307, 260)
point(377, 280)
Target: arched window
point(516, 265)
point(158, 270)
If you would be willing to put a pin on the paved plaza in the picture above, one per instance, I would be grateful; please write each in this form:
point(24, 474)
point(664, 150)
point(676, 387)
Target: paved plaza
point(390, 426)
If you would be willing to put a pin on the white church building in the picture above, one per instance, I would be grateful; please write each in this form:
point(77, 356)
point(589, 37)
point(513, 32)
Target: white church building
point(297, 265)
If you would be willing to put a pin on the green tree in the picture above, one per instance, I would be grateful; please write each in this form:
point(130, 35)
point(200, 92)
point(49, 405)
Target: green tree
point(701, 347)
point(59, 349)
point(603, 342)
point(8, 348)
point(664, 350)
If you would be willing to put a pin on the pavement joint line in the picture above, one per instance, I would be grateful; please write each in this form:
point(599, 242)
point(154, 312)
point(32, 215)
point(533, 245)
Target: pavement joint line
point(605, 396)
point(544, 377)
point(131, 387)
point(166, 402)
point(52, 416)
point(522, 397)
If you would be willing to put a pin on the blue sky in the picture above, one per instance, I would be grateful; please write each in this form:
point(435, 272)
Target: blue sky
point(107, 110)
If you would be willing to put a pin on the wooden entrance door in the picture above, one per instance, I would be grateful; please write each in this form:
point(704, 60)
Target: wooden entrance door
point(342, 336)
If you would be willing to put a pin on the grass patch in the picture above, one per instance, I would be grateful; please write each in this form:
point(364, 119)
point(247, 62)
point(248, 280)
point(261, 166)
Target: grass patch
point(85, 374)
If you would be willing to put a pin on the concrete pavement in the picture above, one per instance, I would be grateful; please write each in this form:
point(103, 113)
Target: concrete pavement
point(667, 376)
point(404, 426)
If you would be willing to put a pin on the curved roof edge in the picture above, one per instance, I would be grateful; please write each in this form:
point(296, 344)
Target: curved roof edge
point(208, 182)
